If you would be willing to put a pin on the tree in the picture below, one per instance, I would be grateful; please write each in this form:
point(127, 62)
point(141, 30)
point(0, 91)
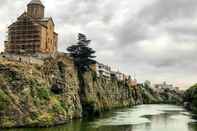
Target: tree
point(82, 54)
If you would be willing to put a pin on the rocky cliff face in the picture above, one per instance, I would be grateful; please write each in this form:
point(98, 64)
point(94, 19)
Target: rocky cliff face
point(27, 98)
point(100, 94)
point(33, 95)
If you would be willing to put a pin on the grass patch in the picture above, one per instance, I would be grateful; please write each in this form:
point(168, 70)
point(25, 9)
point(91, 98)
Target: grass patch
point(43, 93)
point(4, 100)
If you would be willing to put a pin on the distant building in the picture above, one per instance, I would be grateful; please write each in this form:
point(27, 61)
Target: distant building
point(164, 85)
point(119, 76)
point(133, 82)
point(32, 32)
point(103, 70)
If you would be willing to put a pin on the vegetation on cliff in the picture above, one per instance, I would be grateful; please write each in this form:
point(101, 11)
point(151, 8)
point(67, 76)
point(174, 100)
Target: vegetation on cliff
point(26, 98)
point(164, 96)
point(190, 98)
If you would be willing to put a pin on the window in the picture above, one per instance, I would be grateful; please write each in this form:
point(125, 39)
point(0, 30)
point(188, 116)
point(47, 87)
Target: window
point(23, 47)
point(46, 45)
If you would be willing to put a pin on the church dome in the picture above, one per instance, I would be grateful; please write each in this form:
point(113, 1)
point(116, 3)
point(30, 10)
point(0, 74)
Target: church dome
point(35, 9)
point(35, 2)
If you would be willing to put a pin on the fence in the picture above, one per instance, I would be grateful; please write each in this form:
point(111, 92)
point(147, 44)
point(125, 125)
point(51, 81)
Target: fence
point(22, 58)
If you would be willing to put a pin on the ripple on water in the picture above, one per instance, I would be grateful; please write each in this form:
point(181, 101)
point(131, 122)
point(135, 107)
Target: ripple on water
point(142, 115)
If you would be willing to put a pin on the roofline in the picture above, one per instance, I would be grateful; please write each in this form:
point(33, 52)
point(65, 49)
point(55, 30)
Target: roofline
point(34, 20)
point(52, 20)
point(35, 4)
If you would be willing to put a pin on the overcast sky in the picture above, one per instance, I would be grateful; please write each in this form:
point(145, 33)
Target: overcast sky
point(154, 39)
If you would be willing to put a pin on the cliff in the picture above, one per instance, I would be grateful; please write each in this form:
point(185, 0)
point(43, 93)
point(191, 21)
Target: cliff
point(99, 94)
point(28, 96)
point(53, 93)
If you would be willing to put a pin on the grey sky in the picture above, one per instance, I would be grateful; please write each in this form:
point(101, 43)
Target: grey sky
point(154, 39)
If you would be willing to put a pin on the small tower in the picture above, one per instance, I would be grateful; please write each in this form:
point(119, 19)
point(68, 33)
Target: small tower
point(35, 9)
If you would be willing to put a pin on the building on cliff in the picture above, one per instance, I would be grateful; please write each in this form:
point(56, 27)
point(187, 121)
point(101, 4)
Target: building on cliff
point(132, 82)
point(164, 85)
point(103, 70)
point(119, 76)
point(32, 32)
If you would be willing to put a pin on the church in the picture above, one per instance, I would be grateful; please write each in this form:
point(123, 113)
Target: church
point(32, 32)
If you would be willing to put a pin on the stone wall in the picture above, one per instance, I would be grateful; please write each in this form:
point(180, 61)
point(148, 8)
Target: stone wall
point(22, 58)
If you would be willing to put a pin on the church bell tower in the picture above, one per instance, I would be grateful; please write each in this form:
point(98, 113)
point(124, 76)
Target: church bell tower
point(35, 9)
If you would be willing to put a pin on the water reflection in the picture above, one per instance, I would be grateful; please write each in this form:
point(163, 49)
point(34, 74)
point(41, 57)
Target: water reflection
point(139, 118)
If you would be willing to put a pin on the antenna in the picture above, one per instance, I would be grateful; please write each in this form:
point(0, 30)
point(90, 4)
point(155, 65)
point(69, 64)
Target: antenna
point(134, 75)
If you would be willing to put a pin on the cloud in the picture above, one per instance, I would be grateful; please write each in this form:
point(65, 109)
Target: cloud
point(155, 39)
point(168, 10)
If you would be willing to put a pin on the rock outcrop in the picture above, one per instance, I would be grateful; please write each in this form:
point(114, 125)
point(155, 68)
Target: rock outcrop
point(51, 94)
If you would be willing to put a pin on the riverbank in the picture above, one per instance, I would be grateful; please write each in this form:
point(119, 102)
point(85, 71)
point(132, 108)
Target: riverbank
point(34, 95)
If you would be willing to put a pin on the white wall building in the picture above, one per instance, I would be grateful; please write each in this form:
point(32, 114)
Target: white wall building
point(133, 82)
point(164, 85)
point(103, 70)
point(120, 76)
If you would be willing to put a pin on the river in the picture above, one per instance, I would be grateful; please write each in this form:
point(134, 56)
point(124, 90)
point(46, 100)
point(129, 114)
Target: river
point(138, 118)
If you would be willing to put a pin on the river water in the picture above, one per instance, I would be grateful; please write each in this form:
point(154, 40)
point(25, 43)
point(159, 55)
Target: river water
point(139, 118)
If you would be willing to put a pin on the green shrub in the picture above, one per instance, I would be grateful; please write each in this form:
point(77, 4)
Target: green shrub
point(58, 108)
point(61, 67)
point(43, 93)
point(4, 100)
